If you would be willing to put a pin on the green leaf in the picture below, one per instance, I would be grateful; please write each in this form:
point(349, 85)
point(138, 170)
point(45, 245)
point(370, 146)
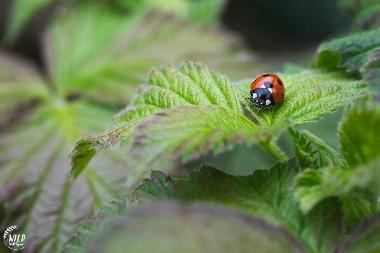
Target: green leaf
point(167, 140)
point(316, 185)
point(85, 32)
point(358, 135)
point(171, 227)
point(268, 194)
point(364, 238)
point(208, 11)
point(203, 12)
point(110, 54)
point(310, 95)
point(356, 188)
point(356, 181)
point(312, 152)
point(357, 54)
point(265, 193)
point(21, 13)
point(20, 85)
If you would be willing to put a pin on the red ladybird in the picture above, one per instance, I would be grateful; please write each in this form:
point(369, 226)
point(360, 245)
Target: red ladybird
point(267, 90)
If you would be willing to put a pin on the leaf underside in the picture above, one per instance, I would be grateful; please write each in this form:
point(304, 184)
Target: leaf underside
point(20, 85)
point(142, 230)
point(364, 238)
point(35, 175)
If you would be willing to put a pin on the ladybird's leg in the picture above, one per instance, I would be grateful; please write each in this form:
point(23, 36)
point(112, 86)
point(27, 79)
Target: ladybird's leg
point(252, 100)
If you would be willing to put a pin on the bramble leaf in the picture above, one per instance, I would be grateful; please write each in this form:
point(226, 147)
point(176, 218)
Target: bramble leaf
point(35, 183)
point(310, 95)
point(92, 225)
point(36, 192)
point(20, 85)
point(358, 133)
point(173, 137)
point(172, 227)
point(110, 54)
point(364, 238)
point(312, 152)
point(356, 54)
point(315, 185)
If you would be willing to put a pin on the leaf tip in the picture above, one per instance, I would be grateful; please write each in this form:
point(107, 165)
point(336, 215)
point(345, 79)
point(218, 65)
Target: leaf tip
point(81, 155)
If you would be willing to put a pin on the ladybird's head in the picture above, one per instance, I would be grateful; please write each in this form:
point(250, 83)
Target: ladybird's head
point(260, 101)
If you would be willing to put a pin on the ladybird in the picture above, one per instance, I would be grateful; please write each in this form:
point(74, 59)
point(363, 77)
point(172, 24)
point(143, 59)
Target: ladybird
point(266, 91)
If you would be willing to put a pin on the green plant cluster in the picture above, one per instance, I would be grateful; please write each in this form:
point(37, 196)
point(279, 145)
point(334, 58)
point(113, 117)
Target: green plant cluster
point(321, 200)
point(124, 183)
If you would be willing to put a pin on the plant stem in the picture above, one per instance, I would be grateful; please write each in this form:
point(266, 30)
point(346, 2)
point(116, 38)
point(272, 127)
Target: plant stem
point(274, 150)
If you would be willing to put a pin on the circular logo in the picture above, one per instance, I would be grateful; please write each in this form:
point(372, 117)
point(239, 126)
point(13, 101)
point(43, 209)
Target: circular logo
point(12, 239)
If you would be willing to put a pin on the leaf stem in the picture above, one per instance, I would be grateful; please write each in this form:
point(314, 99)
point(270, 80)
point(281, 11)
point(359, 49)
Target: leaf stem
point(274, 150)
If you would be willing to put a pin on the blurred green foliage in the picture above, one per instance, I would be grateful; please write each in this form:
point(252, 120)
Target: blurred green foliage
point(366, 13)
point(198, 11)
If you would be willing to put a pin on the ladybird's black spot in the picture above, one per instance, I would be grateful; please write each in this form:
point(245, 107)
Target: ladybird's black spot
point(265, 75)
point(268, 85)
point(280, 82)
